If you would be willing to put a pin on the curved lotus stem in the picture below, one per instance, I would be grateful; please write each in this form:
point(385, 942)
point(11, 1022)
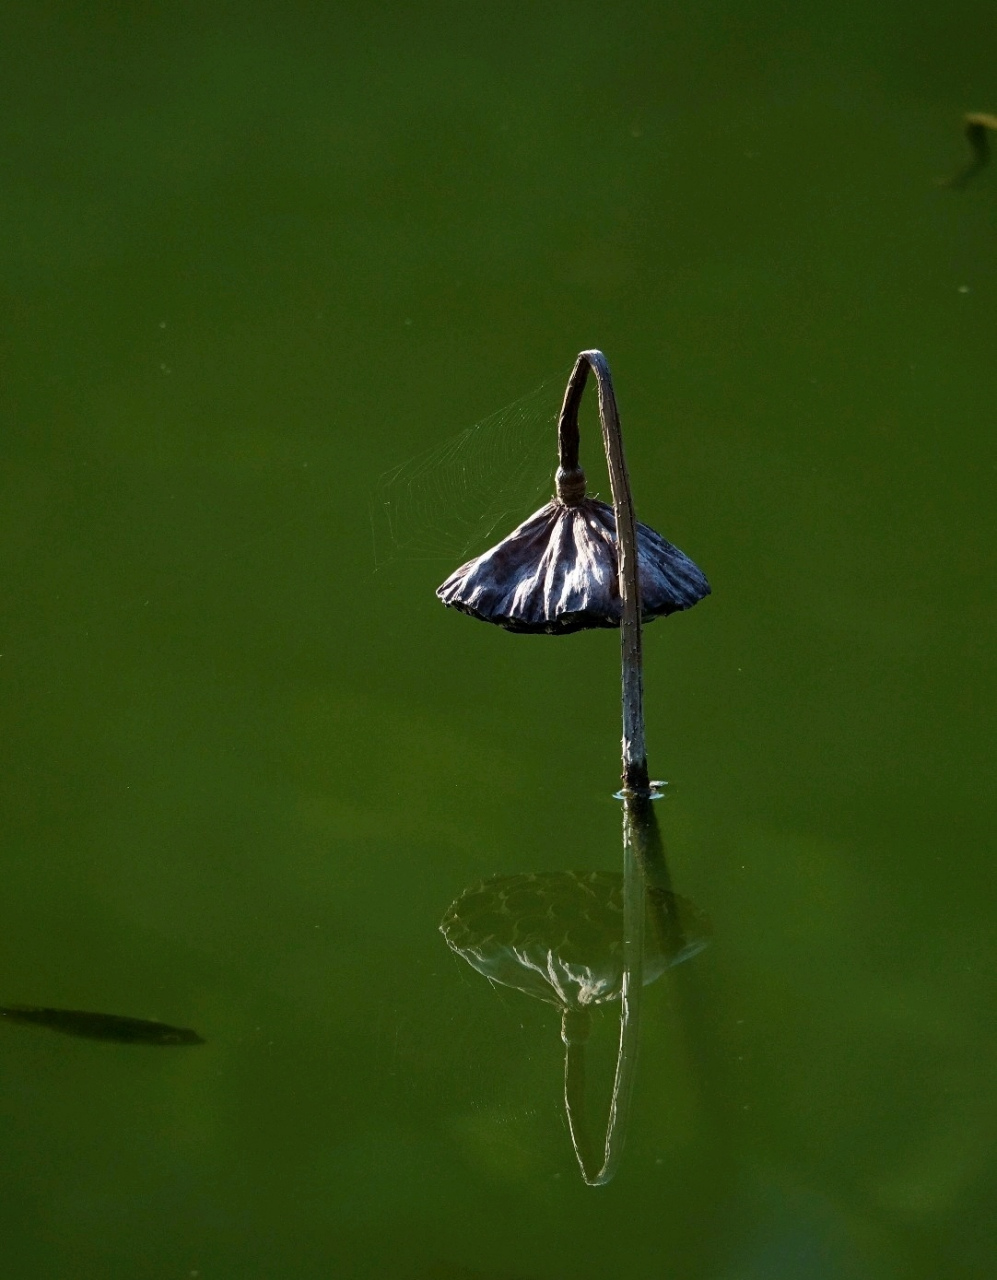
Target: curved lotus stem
point(575, 1026)
point(575, 1029)
point(571, 489)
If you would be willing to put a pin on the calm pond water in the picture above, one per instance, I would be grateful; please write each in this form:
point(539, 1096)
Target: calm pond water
point(253, 258)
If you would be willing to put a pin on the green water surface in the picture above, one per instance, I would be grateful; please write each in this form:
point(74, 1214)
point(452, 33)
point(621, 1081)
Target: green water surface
point(252, 257)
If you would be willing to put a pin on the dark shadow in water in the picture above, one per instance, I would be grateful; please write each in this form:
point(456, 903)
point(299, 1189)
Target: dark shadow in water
point(978, 127)
point(563, 937)
point(101, 1026)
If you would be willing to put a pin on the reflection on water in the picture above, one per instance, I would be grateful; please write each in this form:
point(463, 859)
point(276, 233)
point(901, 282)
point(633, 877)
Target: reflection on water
point(577, 940)
point(560, 936)
point(230, 757)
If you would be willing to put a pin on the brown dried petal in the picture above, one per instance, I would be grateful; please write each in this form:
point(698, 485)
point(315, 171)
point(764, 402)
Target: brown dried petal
point(557, 572)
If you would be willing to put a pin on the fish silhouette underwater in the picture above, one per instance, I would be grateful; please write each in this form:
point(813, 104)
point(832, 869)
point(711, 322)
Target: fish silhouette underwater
point(101, 1026)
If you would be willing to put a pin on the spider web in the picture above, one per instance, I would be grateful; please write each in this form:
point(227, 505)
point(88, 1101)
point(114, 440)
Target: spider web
point(448, 501)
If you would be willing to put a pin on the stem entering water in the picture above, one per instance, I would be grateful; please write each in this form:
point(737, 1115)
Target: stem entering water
point(636, 787)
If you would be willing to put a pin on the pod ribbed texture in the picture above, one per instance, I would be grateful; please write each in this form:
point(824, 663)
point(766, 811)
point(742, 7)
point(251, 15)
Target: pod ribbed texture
point(557, 572)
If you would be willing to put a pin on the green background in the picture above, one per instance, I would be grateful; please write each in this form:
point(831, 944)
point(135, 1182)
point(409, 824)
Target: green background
point(252, 257)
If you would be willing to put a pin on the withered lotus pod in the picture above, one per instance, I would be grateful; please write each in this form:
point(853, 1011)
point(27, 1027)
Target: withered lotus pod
point(559, 571)
point(566, 568)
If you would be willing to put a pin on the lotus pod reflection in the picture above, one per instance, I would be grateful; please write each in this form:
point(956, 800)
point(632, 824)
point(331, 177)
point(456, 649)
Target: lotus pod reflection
point(558, 935)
